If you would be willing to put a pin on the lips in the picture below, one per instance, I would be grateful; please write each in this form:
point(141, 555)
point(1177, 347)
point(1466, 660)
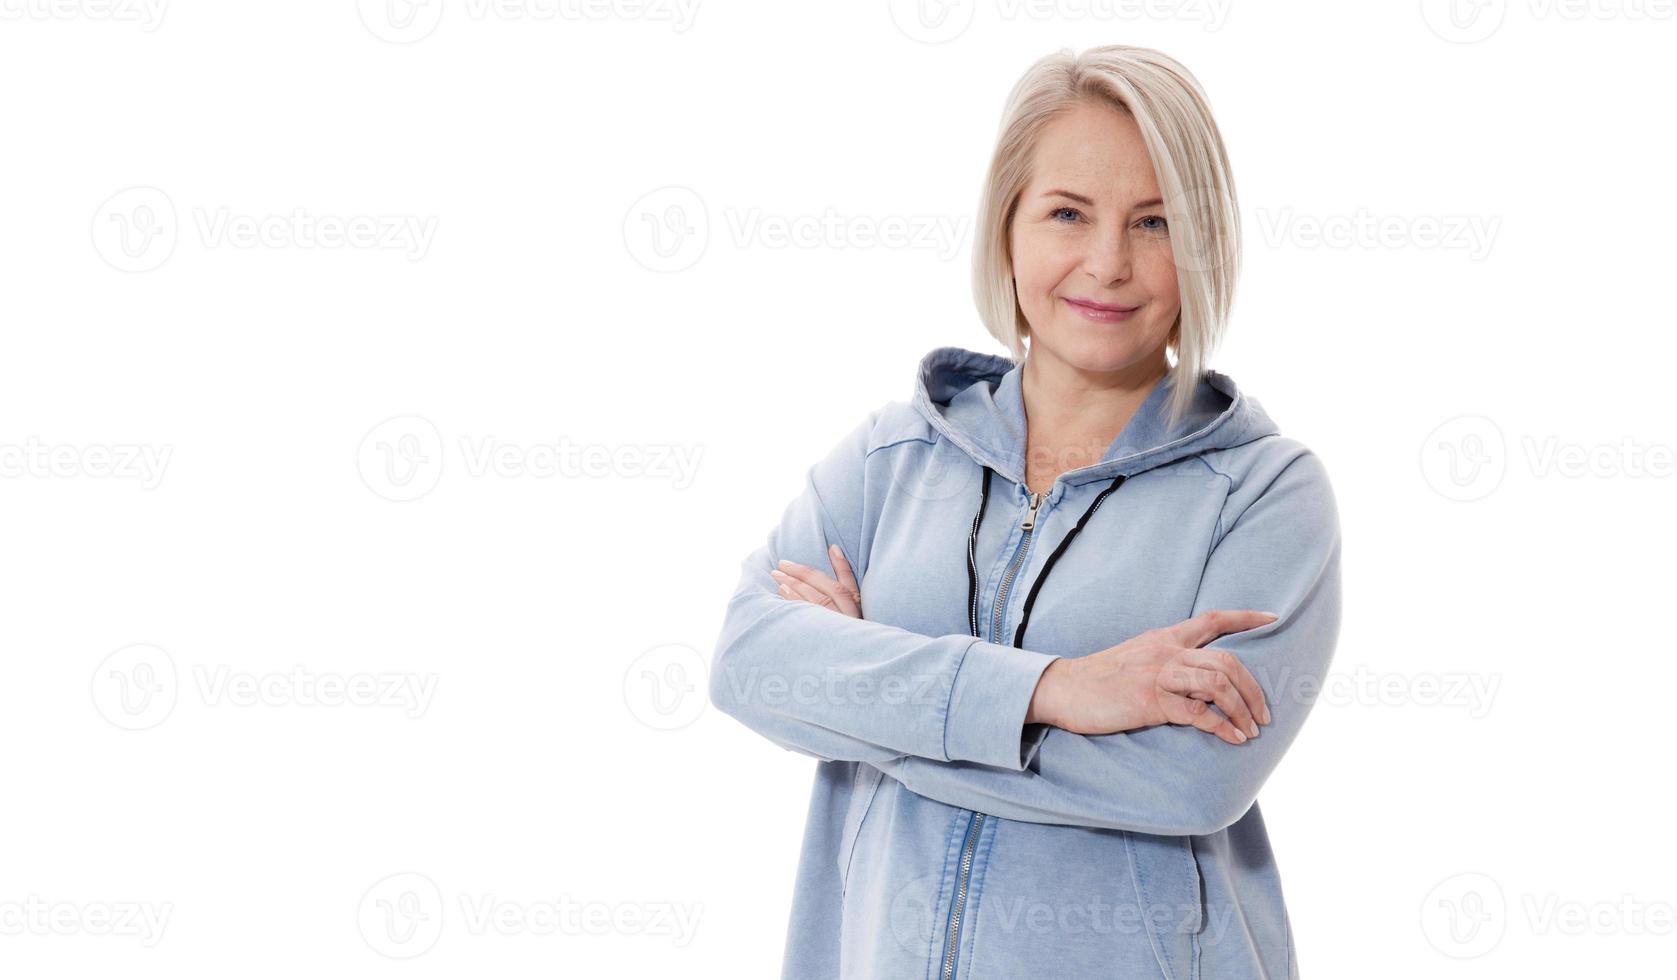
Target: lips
point(1100, 307)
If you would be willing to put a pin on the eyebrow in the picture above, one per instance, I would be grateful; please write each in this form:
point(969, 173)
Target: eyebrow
point(1079, 198)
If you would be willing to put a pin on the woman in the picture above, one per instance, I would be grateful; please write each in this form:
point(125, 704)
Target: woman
point(1078, 800)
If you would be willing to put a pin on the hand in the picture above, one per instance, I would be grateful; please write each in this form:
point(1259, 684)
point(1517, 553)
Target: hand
point(1156, 678)
point(802, 582)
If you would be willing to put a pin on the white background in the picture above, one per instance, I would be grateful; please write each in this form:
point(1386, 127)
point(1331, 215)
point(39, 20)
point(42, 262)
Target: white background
point(1440, 222)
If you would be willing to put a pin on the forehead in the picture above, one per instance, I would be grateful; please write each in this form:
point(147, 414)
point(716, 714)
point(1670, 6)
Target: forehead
point(1095, 150)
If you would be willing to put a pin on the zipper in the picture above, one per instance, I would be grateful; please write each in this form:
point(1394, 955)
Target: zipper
point(975, 823)
point(1013, 567)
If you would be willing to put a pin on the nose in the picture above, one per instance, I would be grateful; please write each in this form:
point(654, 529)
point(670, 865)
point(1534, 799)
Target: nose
point(1108, 258)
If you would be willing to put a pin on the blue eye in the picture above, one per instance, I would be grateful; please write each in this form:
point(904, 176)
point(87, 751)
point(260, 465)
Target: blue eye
point(1059, 210)
point(1161, 226)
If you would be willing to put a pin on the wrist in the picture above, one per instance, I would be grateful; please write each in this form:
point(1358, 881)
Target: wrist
point(1042, 709)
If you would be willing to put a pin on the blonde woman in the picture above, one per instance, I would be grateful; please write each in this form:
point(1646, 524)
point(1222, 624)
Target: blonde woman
point(1048, 626)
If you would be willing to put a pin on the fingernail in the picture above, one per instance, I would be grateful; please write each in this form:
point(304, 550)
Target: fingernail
point(1254, 731)
point(1266, 714)
point(787, 563)
point(1239, 735)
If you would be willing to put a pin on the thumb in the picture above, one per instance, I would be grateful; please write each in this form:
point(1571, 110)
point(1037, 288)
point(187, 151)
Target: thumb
point(1209, 625)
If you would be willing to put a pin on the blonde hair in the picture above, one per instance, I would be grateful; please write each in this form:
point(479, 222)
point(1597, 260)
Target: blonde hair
point(1191, 167)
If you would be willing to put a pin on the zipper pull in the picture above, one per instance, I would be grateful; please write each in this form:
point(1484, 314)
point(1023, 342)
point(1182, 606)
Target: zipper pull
point(1030, 518)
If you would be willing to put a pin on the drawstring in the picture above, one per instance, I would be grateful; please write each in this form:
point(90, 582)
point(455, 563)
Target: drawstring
point(1048, 566)
point(972, 555)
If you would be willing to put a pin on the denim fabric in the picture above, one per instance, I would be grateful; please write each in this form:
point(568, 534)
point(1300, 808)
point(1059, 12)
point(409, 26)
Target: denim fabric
point(946, 838)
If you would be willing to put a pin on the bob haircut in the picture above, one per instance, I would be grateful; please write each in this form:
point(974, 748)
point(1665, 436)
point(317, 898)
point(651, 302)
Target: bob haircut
point(1189, 163)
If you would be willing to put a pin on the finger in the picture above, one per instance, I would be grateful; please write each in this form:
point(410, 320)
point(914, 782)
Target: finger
point(1199, 630)
point(846, 576)
point(1180, 710)
point(802, 590)
point(843, 599)
point(1212, 658)
point(793, 588)
point(1213, 686)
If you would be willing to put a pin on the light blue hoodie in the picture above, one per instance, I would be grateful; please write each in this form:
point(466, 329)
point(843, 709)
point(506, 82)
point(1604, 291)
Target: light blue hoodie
point(946, 838)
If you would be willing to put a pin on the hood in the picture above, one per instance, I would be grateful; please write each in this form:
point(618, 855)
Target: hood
point(975, 400)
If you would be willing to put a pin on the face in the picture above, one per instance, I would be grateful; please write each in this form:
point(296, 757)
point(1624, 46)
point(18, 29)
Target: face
point(1091, 254)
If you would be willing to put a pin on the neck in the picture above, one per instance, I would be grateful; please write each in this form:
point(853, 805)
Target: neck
point(1068, 405)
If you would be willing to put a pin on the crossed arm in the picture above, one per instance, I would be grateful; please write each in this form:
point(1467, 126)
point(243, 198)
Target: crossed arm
point(946, 715)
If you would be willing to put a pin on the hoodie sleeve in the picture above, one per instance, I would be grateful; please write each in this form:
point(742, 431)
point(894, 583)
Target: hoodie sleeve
point(834, 687)
point(1281, 555)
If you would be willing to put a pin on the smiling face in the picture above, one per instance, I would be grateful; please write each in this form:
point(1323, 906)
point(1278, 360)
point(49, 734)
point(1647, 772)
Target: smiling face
point(1091, 255)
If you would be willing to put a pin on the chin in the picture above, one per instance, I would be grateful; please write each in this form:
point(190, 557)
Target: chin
point(1121, 347)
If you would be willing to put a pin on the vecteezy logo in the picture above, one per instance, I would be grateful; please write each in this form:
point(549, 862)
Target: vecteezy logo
point(402, 916)
point(948, 474)
point(401, 458)
point(667, 229)
point(400, 21)
point(932, 21)
point(913, 914)
point(135, 687)
point(1193, 208)
point(1464, 458)
point(1463, 21)
point(1464, 915)
point(135, 229)
point(666, 686)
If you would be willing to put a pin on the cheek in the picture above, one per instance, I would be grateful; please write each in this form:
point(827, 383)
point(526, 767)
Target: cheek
point(1040, 262)
point(1160, 276)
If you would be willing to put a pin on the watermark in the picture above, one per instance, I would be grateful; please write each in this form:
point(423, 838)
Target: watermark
point(830, 687)
point(403, 916)
point(138, 686)
point(300, 687)
point(939, 21)
point(148, 14)
point(32, 458)
point(1465, 458)
point(939, 472)
point(1191, 214)
point(932, 21)
point(36, 916)
point(1626, 458)
point(410, 234)
point(1467, 915)
point(137, 230)
point(942, 471)
point(1472, 234)
point(1471, 21)
point(666, 687)
point(668, 230)
point(1621, 915)
point(1472, 693)
point(484, 914)
point(752, 227)
point(916, 918)
point(407, 21)
point(403, 458)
